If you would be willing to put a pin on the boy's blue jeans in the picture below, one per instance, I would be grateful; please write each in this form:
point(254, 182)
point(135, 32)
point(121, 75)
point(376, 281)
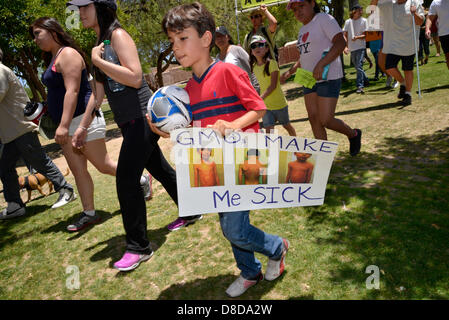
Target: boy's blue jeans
point(246, 239)
point(357, 58)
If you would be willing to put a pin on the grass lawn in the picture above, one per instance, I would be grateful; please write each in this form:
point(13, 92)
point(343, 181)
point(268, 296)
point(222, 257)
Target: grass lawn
point(387, 207)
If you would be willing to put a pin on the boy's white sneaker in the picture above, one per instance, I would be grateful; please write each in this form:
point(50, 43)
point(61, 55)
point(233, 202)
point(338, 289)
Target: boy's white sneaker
point(276, 267)
point(240, 285)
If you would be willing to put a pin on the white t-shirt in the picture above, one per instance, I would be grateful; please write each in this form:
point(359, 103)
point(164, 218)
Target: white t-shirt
point(398, 27)
point(358, 27)
point(440, 8)
point(316, 37)
point(237, 56)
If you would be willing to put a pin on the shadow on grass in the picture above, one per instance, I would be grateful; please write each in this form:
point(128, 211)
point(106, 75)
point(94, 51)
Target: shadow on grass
point(215, 288)
point(7, 237)
point(294, 93)
point(384, 106)
point(428, 90)
point(62, 225)
point(399, 222)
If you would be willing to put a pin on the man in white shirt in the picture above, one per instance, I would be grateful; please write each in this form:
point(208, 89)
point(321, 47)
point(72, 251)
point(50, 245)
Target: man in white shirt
point(440, 9)
point(398, 40)
point(19, 139)
point(354, 33)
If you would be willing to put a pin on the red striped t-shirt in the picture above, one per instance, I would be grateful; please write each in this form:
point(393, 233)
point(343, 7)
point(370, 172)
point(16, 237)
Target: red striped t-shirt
point(223, 92)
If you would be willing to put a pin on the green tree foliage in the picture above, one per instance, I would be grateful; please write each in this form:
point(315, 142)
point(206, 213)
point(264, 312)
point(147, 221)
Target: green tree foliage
point(20, 52)
point(141, 18)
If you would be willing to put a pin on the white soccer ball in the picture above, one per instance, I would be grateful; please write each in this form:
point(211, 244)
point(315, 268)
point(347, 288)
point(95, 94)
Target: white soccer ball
point(169, 108)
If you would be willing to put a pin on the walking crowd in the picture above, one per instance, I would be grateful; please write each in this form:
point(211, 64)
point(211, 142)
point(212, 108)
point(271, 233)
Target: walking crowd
point(249, 74)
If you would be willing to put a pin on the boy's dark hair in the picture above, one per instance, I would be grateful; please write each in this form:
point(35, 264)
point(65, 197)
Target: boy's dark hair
point(190, 15)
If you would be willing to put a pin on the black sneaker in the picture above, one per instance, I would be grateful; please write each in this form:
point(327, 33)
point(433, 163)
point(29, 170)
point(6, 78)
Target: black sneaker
point(83, 221)
point(14, 214)
point(355, 143)
point(401, 92)
point(407, 100)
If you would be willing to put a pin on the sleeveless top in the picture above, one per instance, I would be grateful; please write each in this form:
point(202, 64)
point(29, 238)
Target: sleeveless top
point(128, 104)
point(54, 82)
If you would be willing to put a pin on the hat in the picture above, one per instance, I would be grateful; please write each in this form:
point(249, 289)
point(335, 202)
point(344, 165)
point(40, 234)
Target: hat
point(257, 38)
point(289, 5)
point(222, 30)
point(355, 7)
point(81, 3)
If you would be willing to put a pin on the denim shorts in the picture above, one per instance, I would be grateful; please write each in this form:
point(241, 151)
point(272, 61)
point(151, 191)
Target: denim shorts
point(271, 116)
point(326, 89)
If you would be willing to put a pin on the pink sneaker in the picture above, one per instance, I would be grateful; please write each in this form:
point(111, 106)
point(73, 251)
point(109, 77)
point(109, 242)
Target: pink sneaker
point(131, 261)
point(181, 222)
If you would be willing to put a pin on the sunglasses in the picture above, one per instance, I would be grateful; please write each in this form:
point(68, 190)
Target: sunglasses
point(257, 45)
point(256, 16)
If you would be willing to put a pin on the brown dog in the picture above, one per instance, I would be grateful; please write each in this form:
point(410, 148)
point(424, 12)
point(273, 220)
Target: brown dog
point(35, 182)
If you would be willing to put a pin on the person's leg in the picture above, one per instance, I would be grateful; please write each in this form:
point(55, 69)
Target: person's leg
point(426, 49)
point(381, 59)
point(391, 67)
point(311, 102)
point(326, 107)
point(9, 177)
point(268, 121)
point(77, 162)
point(436, 41)
point(408, 80)
point(445, 46)
point(357, 61)
point(376, 59)
point(134, 154)
point(291, 131)
point(284, 119)
point(446, 55)
point(31, 150)
point(96, 152)
point(247, 239)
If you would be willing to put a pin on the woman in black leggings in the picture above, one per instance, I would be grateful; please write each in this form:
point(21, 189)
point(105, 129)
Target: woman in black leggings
point(128, 102)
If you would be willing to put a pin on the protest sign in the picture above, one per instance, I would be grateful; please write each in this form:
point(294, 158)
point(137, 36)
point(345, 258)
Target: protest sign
point(246, 171)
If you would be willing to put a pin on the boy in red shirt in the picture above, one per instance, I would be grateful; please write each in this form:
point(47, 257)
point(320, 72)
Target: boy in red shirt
point(222, 97)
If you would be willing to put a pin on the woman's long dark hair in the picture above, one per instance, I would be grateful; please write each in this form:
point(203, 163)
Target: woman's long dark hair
point(58, 34)
point(107, 21)
point(267, 58)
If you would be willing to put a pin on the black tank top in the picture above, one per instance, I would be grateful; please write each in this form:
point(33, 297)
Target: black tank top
point(128, 104)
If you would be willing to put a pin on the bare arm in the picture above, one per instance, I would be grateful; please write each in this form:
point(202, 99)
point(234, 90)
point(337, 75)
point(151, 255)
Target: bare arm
point(272, 22)
point(274, 82)
point(70, 64)
point(430, 20)
point(129, 72)
point(287, 74)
